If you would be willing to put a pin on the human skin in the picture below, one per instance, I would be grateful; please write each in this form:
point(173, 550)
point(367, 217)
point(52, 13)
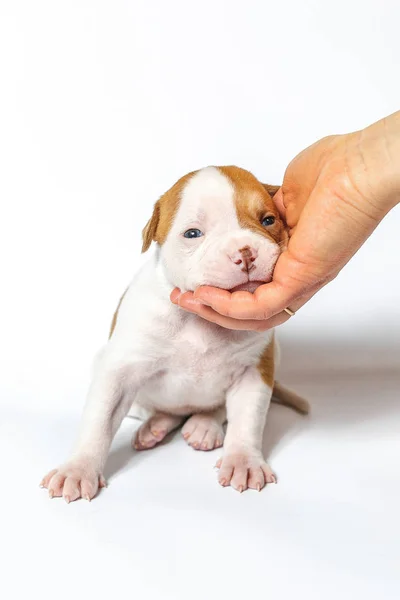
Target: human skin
point(333, 196)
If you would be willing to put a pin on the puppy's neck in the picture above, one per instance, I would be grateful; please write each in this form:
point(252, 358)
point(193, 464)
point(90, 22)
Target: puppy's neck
point(162, 287)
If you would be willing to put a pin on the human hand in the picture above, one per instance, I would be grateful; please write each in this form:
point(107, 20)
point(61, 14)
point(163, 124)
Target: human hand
point(333, 196)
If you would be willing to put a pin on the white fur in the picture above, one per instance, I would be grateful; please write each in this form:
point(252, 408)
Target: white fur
point(208, 204)
point(161, 358)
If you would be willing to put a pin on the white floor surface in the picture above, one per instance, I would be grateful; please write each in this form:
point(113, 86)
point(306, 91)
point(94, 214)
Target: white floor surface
point(164, 528)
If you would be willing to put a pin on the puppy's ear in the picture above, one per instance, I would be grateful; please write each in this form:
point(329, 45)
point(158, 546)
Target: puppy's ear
point(149, 232)
point(278, 201)
point(271, 189)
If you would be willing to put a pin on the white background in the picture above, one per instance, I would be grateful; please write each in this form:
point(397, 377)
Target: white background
point(103, 105)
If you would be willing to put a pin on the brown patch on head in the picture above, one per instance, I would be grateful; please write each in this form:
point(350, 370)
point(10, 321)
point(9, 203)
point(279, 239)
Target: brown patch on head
point(271, 189)
point(254, 202)
point(165, 208)
point(266, 365)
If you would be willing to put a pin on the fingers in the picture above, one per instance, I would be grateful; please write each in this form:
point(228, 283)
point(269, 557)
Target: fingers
point(239, 305)
point(242, 305)
point(268, 300)
point(187, 302)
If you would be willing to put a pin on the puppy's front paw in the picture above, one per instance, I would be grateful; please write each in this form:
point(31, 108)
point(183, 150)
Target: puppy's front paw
point(242, 471)
point(73, 480)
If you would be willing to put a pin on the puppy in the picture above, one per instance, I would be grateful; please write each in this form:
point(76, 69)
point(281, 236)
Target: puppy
point(217, 226)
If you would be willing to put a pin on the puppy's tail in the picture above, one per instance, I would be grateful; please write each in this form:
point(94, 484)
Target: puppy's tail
point(282, 395)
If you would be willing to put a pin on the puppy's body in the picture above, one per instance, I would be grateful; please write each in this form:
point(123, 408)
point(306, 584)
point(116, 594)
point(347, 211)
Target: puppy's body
point(174, 364)
point(194, 361)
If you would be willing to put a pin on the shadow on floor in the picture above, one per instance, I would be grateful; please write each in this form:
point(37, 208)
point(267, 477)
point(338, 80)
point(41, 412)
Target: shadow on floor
point(345, 385)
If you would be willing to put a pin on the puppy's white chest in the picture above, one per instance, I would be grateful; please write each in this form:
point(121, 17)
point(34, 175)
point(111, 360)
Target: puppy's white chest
point(191, 362)
point(201, 365)
point(196, 347)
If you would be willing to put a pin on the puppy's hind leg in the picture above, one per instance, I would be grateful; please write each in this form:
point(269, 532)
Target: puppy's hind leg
point(204, 431)
point(154, 430)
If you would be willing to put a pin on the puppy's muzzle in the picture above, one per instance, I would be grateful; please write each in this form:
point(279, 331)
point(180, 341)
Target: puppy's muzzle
point(244, 258)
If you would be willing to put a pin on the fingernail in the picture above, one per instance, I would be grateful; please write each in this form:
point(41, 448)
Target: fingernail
point(51, 494)
point(67, 499)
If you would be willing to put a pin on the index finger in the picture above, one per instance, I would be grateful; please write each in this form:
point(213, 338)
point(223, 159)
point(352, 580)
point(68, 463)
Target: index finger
point(267, 300)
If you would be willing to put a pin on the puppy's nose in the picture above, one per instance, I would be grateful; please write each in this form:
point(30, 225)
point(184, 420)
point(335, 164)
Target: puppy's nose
point(244, 257)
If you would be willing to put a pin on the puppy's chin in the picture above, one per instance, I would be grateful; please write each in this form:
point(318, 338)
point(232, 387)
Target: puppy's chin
point(249, 286)
point(246, 286)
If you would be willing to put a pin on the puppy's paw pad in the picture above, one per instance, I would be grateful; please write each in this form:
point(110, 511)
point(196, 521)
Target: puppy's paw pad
point(72, 481)
point(242, 472)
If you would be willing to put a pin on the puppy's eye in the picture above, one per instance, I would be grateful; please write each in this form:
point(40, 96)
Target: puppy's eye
point(267, 221)
point(193, 233)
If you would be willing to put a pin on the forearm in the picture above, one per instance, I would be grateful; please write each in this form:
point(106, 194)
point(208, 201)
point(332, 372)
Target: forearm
point(333, 196)
point(379, 156)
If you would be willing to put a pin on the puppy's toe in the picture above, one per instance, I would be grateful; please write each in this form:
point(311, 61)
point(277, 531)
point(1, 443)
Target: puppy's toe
point(153, 431)
point(144, 439)
point(203, 432)
point(213, 438)
point(76, 479)
point(45, 481)
point(242, 471)
point(56, 484)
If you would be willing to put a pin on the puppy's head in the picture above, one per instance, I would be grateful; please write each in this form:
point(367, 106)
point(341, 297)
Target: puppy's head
point(217, 226)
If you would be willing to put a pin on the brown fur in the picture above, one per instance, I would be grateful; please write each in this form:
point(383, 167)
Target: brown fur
point(115, 316)
point(280, 394)
point(266, 365)
point(271, 189)
point(158, 226)
point(254, 202)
